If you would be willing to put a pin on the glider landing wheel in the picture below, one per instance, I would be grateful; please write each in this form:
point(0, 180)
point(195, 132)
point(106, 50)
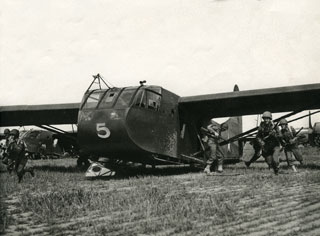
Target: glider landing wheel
point(83, 162)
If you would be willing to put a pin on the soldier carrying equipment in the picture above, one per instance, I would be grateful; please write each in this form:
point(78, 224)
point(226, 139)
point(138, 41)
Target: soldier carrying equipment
point(17, 155)
point(267, 143)
point(210, 134)
point(214, 153)
point(4, 146)
point(287, 136)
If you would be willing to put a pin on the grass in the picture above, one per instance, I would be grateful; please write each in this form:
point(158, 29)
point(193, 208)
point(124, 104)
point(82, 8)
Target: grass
point(60, 201)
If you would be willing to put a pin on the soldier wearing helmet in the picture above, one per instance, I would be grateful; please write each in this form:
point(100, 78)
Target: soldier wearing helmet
point(6, 132)
point(15, 133)
point(288, 140)
point(214, 155)
point(11, 149)
point(17, 155)
point(267, 143)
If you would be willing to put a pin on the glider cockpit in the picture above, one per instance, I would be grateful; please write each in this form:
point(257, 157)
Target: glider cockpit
point(128, 122)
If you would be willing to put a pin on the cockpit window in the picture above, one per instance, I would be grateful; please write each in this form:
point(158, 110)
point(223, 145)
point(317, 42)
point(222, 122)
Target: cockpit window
point(124, 98)
point(148, 99)
point(93, 100)
point(108, 99)
point(141, 99)
point(154, 100)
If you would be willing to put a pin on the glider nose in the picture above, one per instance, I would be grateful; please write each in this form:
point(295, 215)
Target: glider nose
point(103, 132)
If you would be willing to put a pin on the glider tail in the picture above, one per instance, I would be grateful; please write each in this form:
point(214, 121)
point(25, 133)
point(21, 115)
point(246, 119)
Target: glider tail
point(233, 150)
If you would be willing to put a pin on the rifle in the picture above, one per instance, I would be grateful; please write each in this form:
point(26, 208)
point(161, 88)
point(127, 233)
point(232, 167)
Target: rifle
point(207, 132)
point(273, 132)
point(298, 131)
point(294, 136)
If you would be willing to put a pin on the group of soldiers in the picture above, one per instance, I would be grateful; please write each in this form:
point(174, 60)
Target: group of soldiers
point(269, 142)
point(14, 154)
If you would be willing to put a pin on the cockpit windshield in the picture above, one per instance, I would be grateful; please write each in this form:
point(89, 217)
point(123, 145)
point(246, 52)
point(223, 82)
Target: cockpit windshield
point(109, 98)
point(125, 98)
point(122, 98)
point(93, 99)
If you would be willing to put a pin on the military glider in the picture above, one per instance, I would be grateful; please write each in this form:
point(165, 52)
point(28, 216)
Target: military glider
point(150, 125)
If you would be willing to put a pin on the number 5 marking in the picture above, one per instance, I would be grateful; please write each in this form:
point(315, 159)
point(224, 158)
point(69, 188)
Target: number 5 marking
point(102, 130)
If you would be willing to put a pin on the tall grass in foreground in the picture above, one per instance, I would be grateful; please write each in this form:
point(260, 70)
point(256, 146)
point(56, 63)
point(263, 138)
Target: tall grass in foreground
point(142, 203)
point(60, 198)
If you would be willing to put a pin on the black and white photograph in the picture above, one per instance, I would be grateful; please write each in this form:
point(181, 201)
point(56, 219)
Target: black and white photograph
point(160, 117)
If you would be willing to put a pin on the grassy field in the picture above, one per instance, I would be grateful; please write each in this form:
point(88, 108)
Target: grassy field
point(167, 201)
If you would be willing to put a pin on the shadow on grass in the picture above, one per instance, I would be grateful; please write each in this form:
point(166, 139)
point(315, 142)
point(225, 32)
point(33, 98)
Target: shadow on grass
point(159, 171)
point(310, 166)
point(125, 172)
point(61, 169)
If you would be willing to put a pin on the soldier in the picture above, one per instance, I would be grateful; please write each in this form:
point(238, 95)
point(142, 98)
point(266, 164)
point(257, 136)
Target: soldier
point(4, 146)
point(17, 155)
point(267, 142)
point(214, 154)
point(288, 140)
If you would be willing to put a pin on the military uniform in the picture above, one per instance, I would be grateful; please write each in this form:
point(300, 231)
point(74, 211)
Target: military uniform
point(289, 143)
point(267, 135)
point(257, 146)
point(4, 145)
point(18, 158)
point(214, 154)
point(267, 143)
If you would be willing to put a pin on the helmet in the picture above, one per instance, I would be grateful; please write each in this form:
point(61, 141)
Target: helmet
point(6, 131)
point(267, 114)
point(283, 122)
point(15, 133)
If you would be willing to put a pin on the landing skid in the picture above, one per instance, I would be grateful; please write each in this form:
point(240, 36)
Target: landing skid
point(97, 169)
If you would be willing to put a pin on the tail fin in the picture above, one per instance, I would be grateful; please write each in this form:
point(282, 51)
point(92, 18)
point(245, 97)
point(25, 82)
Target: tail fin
point(233, 150)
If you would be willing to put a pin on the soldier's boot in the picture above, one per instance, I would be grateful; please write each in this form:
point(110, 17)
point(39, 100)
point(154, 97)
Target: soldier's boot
point(276, 170)
point(247, 163)
point(20, 177)
point(31, 171)
point(207, 169)
point(220, 169)
point(10, 167)
point(253, 159)
point(294, 169)
point(288, 162)
point(5, 161)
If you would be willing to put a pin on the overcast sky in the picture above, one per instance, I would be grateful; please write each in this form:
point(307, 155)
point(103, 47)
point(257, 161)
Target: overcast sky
point(50, 49)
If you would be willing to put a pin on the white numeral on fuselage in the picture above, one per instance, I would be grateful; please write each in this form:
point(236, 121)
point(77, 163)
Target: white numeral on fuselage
point(102, 130)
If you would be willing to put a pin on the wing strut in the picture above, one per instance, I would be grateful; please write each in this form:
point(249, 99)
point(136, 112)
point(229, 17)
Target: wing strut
point(235, 138)
point(57, 131)
point(289, 121)
point(52, 129)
